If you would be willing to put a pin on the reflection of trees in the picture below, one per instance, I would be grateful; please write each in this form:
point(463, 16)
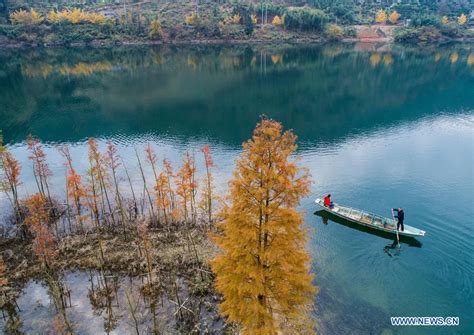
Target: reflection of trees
point(222, 90)
point(79, 69)
point(375, 59)
point(470, 59)
point(10, 315)
point(61, 298)
point(103, 298)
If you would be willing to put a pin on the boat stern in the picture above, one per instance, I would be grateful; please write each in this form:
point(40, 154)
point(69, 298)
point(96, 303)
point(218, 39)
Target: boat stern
point(319, 202)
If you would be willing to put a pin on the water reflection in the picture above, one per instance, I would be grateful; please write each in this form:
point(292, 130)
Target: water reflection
point(393, 249)
point(91, 303)
point(220, 91)
point(410, 241)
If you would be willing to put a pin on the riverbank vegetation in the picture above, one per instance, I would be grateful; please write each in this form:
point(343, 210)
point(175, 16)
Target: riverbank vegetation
point(71, 23)
point(159, 232)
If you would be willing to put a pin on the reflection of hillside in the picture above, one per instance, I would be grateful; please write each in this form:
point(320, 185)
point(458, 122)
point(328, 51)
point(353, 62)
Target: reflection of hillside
point(65, 94)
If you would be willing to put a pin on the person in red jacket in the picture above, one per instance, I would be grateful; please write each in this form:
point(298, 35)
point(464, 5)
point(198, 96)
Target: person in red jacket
point(328, 202)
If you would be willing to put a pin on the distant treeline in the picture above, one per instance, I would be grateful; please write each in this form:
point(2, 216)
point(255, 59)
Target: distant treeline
point(108, 22)
point(344, 9)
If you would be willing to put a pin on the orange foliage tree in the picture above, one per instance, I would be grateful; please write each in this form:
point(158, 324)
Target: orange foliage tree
point(10, 180)
point(262, 270)
point(44, 243)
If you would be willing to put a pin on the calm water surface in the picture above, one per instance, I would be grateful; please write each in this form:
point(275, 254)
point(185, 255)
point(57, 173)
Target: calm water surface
point(378, 127)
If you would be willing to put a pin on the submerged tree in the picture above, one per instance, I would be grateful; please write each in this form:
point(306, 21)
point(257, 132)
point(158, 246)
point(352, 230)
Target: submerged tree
point(263, 268)
point(145, 188)
point(112, 160)
point(168, 173)
point(99, 174)
point(186, 187)
point(75, 190)
point(41, 170)
point(208, 188)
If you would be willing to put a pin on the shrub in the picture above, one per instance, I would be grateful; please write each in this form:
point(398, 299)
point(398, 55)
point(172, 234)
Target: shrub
point(345, 13)
point(12, 32)
point(52, 39)
point(31, 17)
point(248, 19)
point(350, 32)
point(426, 20)
point(418, 34)
point(208, 27)
point(305, 18)
point(334, 32)
point(451, 30)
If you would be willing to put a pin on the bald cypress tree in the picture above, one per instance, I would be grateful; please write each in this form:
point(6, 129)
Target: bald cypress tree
point(263, 268)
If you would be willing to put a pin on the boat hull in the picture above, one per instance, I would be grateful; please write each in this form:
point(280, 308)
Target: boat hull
point(370, 220)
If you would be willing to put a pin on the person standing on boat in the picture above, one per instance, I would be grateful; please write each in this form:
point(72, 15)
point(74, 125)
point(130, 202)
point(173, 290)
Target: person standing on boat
point(400, 217)
point(328, 202)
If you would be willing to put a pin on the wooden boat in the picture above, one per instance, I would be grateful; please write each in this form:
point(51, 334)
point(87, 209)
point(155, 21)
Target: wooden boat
point(370, 220)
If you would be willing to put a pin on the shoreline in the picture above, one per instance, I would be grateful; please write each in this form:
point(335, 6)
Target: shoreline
point(209, 42)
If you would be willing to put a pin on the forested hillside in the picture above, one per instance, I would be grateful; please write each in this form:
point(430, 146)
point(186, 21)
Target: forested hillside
point(125, 21)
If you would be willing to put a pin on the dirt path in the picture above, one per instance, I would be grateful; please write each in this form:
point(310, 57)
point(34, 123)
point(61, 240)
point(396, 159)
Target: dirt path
point(375, 33)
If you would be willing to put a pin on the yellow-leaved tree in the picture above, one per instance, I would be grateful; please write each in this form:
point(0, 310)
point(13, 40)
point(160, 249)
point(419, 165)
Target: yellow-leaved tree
point(253, 17)
point(23, 17)
point(462, 19)
point(262, 269)
point(381, 16)
point(191, 19)
point(277, 21)
point(444, 20)
point(393, 17)
point(156, 31)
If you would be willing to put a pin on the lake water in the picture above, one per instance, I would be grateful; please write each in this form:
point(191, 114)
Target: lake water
point(379, 127)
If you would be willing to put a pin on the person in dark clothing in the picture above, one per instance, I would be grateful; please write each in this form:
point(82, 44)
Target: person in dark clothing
point(400, 217)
